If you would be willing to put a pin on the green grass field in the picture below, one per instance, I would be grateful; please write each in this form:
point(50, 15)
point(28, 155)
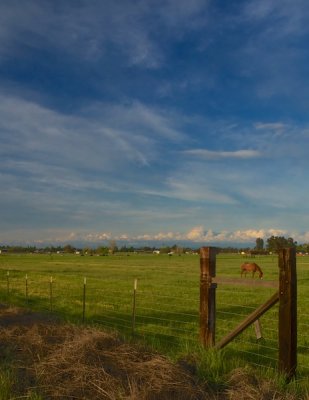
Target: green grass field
point(167, 300)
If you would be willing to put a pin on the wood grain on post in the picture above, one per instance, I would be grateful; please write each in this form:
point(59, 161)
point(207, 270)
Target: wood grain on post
point(207, 296)
point(287, 312)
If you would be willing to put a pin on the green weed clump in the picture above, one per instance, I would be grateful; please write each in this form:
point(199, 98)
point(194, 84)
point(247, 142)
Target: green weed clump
point(6, 384)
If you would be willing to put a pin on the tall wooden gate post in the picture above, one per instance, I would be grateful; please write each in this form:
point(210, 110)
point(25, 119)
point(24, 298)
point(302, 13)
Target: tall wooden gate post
point(287, 312)
point(207, 296)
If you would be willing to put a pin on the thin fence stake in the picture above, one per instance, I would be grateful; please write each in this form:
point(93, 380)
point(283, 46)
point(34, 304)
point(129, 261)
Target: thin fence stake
point(51, 293)
point(258, 329)
point(26, 288)
point(84, 299)
point(134, 306)
point(8, 285)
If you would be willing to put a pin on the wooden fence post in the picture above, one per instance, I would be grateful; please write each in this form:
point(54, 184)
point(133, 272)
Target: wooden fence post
point(287, 312)
point(207, 296)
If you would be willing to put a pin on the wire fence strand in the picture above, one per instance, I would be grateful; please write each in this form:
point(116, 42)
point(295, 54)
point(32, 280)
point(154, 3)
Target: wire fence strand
point(159, 315)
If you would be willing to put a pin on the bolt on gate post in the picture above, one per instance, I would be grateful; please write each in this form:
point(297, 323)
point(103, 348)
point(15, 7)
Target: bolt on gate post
point(207, 296)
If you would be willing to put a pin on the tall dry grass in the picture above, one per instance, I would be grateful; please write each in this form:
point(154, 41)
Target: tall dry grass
point(51, 360)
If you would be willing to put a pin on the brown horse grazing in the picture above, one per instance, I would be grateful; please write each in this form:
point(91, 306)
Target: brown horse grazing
point(250, 267)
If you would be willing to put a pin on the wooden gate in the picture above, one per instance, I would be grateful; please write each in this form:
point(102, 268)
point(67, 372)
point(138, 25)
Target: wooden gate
point(286, 295)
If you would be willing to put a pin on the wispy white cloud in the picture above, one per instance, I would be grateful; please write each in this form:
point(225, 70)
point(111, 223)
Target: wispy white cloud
point(212, 155)
point(103, 139)
point(135, 118)
point(79, 166)
point(196, 189)
point(285, 19)
point(199, 234)
point(87, 29)
point(134, 124)
point(108, 158)
point(270, 54)
point(272, 126)
point(180, 14)
point(195, 235)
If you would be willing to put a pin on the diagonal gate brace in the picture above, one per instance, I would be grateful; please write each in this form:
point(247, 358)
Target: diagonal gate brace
point(256, 314)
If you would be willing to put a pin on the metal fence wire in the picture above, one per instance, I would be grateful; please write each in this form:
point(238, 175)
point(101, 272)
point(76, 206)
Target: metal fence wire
point(161, 316)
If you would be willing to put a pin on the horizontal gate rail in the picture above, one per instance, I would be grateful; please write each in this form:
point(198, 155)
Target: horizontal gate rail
point(244, 282)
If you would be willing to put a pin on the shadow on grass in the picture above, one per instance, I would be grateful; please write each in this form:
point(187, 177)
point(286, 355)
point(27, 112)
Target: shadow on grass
point(169, 332)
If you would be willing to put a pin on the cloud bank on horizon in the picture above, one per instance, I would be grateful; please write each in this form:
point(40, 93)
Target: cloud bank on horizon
point(166, 116)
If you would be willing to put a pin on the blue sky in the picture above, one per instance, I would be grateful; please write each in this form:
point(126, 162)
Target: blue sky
point(154, 120)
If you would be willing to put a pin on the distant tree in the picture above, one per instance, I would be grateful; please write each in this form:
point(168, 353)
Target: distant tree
point(21, 249)
point(303, 248)
point(102, 251)
point(165, 249)
point(125, 249)
point(228, 249)
point(244, 250)
point(179, 250)
point(68, 249)
point(88, 251)
point(53, 249)
point(291, 242)
point(274, 243)
point(147, 249)
point(259, 244)
point(112, 246)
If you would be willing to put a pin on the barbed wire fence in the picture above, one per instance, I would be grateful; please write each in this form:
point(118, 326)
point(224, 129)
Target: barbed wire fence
point(137, 308)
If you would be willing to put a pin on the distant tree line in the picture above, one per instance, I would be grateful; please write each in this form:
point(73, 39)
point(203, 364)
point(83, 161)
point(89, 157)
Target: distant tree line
point(110, 248)
point(272, 245)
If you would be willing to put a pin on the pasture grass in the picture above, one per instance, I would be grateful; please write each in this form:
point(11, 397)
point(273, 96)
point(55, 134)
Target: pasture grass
point(6, 384)
point(9, 381)
point(167, 303)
